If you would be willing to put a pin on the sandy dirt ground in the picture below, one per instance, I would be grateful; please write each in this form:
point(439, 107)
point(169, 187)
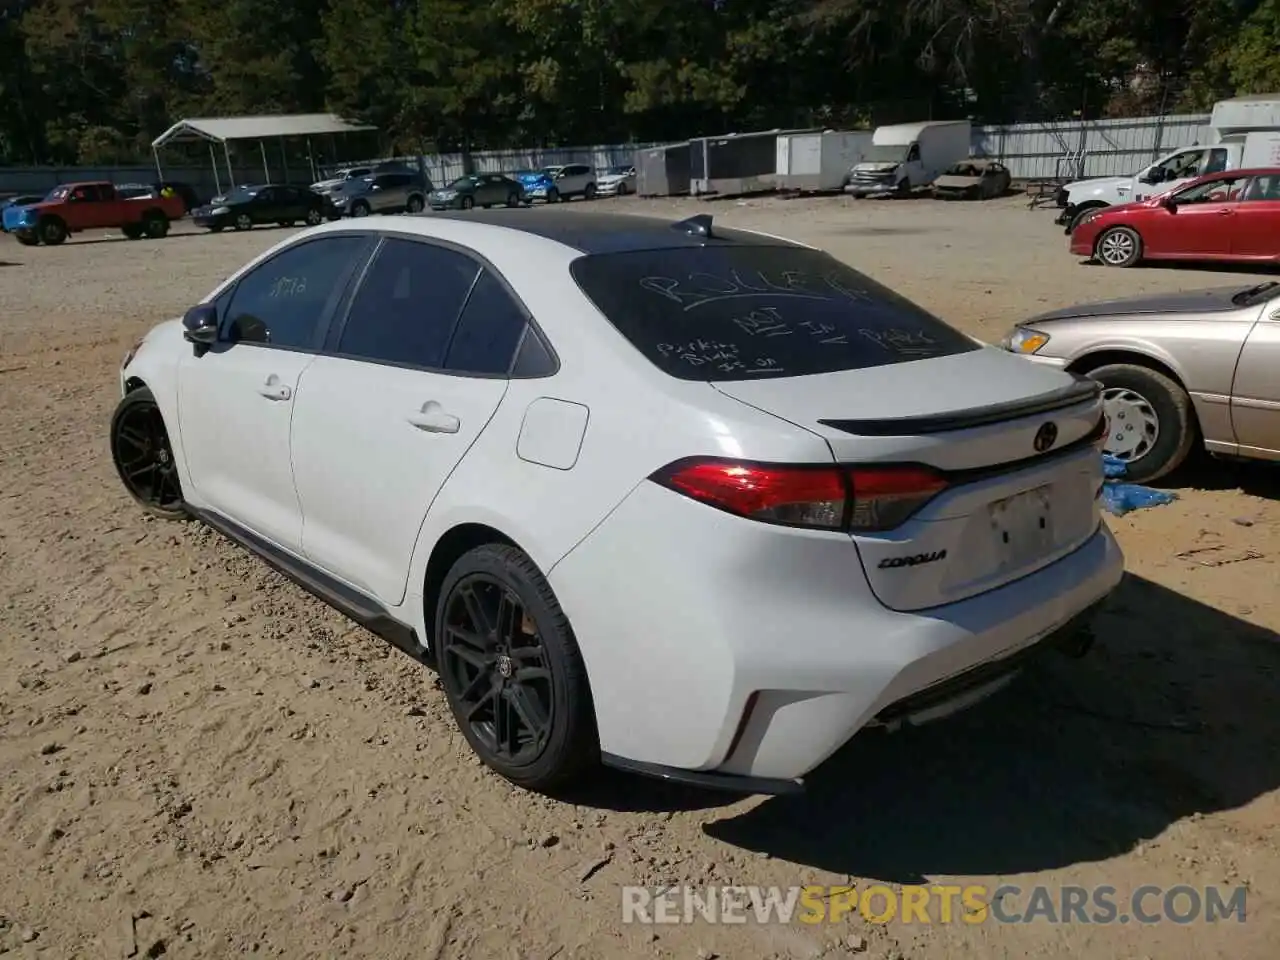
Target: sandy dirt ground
point(199, 760)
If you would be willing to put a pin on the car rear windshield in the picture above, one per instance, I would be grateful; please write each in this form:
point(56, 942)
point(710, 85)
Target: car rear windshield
point(729, 312)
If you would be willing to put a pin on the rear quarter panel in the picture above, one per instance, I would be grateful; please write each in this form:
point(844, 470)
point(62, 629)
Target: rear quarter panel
point(639, 420)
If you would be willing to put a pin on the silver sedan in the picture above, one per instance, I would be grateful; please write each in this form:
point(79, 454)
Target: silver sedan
point(1177, 369)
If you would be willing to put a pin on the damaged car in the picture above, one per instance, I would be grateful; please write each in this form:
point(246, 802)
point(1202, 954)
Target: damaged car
point(973, 180)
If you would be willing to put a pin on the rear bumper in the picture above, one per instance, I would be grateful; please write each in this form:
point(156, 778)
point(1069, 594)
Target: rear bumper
point(721, 646)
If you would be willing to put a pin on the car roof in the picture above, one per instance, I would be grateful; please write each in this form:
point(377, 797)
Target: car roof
point(1233, 174)
point(594, 232)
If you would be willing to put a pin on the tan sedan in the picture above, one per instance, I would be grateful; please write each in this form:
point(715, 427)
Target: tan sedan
point(1177, 369)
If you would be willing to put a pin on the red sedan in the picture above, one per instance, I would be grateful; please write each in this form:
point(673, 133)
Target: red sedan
point(1232, 216)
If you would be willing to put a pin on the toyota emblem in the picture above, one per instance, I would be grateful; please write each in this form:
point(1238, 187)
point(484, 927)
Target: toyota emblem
point(1046, 437)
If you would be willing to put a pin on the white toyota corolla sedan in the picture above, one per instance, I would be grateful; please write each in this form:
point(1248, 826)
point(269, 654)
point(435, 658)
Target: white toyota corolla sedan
point(689, 501)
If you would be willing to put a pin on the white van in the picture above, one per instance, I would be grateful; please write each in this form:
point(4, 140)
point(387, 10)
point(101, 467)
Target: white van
point(908, 155)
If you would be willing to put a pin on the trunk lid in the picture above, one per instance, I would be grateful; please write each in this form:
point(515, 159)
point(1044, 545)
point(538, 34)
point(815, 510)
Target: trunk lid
point(1019, 494)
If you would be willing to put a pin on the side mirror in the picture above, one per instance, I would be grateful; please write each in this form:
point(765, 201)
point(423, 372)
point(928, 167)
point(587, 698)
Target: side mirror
point(1170, 204)
point(200, 325)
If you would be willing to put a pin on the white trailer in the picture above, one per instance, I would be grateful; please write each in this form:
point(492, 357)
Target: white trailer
point(817, 162)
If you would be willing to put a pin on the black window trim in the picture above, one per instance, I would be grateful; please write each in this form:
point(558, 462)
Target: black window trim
point(327, 313)
point(342, 313)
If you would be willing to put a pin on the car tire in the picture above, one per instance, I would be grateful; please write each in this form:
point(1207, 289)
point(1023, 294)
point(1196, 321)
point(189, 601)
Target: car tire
point(1118, 247)
point(216, 228)
point(132, 231)
point(242, 222)
point(27, 240)
point(513, 200)
point(466, 203)
point(480, 670)
point(1080, 216)
point(360, 209)
point(903, 189)
point(155, 226)
point(415, 204)
point(553, 195)
point(52, 231)
point(1152, 422)
point(143, 456)
point(622, 189)
point(314, 218)
point(590, 192)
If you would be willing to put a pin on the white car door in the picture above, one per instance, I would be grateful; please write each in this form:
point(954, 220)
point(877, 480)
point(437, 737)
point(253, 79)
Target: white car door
point(235, 399)
point(409, 379)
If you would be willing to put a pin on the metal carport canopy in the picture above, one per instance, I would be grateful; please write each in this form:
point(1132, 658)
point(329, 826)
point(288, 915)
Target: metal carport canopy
point(225, 129)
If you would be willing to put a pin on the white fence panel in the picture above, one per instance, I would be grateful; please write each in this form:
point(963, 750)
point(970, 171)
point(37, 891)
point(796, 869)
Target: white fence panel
point(1092, 148)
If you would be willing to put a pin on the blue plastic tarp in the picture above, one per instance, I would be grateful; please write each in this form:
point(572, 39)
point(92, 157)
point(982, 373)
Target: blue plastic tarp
point(1120, 497)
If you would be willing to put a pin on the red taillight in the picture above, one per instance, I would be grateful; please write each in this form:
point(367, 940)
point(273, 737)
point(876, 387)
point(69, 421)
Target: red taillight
point(818, 497)
point(799, 496)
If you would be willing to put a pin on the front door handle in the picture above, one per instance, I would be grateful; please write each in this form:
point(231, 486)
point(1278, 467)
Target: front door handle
point(1225, 212)
point(273, 389)
point(433, 419)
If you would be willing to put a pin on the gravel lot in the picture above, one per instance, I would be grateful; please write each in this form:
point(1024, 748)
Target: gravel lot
point(202, 761)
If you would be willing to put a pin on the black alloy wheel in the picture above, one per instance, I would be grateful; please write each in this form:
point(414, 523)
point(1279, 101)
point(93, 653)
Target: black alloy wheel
point(497, 663)
point(511, 670)
point(143, 456)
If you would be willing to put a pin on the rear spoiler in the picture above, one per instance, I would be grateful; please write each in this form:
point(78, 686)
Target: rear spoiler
point(1082, 390)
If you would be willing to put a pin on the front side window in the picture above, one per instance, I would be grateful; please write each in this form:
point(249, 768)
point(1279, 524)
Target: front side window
point(408, 304)
point(752, 311)
point(1223, 190)
point(1180, 165)
point(282, 302)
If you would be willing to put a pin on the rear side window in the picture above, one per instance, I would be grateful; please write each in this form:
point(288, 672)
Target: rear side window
point(729, 312)
point(488, 331)
point(408, 302)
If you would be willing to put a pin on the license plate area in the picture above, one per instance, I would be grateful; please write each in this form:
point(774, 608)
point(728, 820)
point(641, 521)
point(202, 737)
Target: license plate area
point(1022, 527)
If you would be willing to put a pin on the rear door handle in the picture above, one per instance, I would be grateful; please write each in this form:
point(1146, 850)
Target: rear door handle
point(273, 389)
point(433, 419)
point(1225, 212)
